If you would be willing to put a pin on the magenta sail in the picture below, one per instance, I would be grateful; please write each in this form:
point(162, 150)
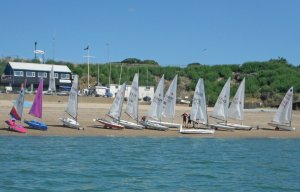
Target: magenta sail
point(36, 109)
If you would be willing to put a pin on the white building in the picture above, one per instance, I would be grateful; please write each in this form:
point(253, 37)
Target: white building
point(143, 91)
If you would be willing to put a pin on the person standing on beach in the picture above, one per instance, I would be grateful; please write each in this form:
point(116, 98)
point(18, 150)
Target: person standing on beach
point(189, 120)
point(184, 118)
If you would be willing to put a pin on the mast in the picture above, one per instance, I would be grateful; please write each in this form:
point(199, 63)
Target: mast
point(137, 115)
point(122, 104)
point(205, 107)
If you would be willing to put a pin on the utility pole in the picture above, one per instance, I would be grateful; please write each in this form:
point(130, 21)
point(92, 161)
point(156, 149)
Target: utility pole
point(35, 43)
point(108, 58)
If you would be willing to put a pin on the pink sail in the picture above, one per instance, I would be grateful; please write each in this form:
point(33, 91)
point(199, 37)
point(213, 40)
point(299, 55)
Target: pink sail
point(36, 108)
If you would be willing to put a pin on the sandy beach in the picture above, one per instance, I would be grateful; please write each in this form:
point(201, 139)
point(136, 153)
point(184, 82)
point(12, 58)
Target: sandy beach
point(95, 107)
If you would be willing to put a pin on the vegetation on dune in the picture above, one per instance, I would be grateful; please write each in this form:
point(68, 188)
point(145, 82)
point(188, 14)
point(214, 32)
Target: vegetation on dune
point(266, 81)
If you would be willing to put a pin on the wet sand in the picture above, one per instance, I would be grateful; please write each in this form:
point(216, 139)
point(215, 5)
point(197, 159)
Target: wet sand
point(91, 108)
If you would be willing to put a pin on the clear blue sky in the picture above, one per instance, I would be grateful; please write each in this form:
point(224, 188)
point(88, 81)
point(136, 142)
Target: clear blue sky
point(172, 32)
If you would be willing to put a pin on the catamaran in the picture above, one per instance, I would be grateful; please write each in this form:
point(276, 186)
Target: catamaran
point(283, 117)
point(168, 106)
point(16, 112)
point(37, 109)
point(236, 109)
point(115, 111)
point(132, 109)
point(155, 109)
point(199, 111)
point(72, 107)
point(220, 112)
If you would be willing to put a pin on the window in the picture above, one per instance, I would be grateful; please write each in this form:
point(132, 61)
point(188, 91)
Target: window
point(42, 74)
point(30, 74)
point(18, 73)
point(56, 75)
point(65, 76)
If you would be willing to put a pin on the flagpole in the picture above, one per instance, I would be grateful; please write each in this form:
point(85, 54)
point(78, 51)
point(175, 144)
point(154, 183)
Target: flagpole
point(88, 56)
point(88, 59)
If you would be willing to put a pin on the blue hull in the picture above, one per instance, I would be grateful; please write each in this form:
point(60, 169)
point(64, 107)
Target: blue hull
point(36, 125)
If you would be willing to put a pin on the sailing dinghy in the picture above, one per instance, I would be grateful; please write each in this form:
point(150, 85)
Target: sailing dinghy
point(72, 107)
point(16, 112)
point(132, 109)
point(168, 106)
point(282, 119)
point(236, 109)
point(199, 111)
point(220, 112)
point(37, 109)
point(115, 111)
point(155, 109)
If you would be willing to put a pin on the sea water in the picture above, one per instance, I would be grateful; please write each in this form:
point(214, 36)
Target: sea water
point(148, 164)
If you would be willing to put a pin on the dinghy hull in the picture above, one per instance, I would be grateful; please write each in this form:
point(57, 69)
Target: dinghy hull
point(154, 126)
point(13, 126)
point(110, 124)
point(222, 127)
point(238, 126)
point(282, 127)
point(130, 125)
point(166, 124)
point(68, 122)
point(197, 131)
point(36, 125)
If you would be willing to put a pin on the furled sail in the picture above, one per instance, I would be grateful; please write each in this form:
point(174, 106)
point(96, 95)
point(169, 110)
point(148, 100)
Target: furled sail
point(52, 86)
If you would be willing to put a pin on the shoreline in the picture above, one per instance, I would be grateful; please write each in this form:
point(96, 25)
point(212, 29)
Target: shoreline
point(53, 108)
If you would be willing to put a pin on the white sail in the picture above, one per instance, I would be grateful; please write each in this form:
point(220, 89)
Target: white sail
point(221, 106)
point(20, 101)
point(52, 86)
point(236, 109)
point(73, 99)
point(133, 99)
point(156, 104)
point(169, 103)
point(284, 112)
point(199, 111)
point(116, 107)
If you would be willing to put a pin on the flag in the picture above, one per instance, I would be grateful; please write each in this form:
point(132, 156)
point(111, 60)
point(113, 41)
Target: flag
point(87, 47)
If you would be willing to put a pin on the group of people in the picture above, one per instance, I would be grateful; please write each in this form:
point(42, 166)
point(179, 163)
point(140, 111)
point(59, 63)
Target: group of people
point(186, 120)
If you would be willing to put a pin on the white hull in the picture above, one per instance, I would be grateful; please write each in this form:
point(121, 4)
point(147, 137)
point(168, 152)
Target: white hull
point(197, 131)
point(131, 125)
point(221, 127)
point(166, 124)
point(282, 127)
point(154, 126)
point(68, 122)
point(238, 126)
point(109, 124)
